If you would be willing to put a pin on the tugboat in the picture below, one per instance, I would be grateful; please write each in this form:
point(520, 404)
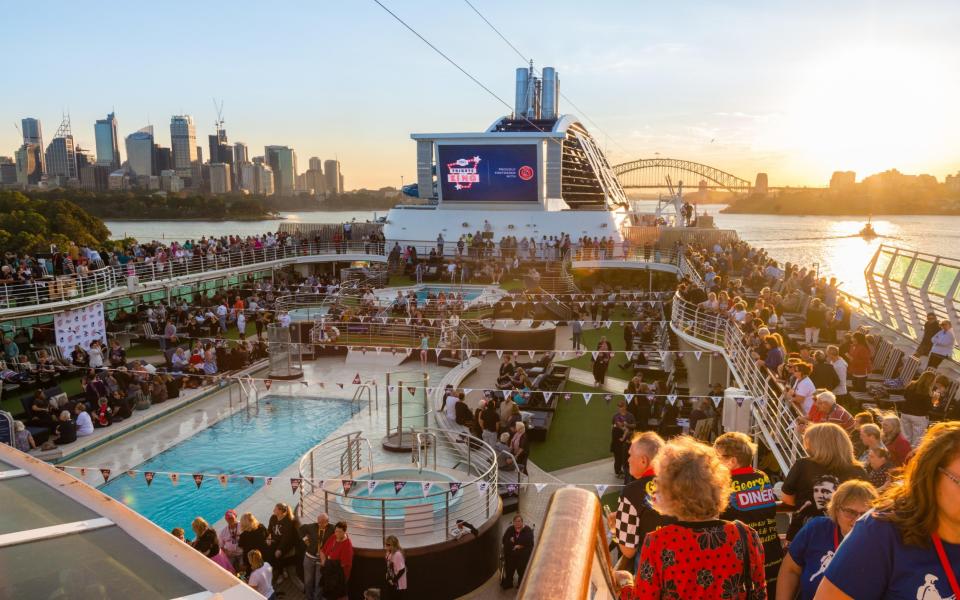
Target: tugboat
point(868, 233)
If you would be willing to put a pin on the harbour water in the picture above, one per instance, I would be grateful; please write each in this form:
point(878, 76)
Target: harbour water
point(829, 243)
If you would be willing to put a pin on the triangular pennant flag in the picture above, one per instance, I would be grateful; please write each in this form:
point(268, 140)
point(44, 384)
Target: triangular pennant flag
point(295, 484)
point(131, 474)
point(629, 303)
point(499, 354)
point(106, 474)
point(340, 385)
point(371, 486)
point(174, 478)
point(483, 353)
point(383, 320)
point(454, 487)
point(595, 353)
point(378, 350)
point(466, 391)
point(567, 397)
point(663, 355)
point(482, 486)
point(739, 400)
point(391, 389)
point(148, 477)
point(426, 485)
point(629, 355)
point(513, 305)
point(469, 352)
point(347, 485)
point(83, 471)
point(716, 400)
point(363, 318)
point(698, 354)
point(607, 324)
point(249, 479)
point(582, 304)
point(356, 379)
point(601, 488)
point(198, 479)
point(515, 354)
point(672, 399)
point(539, 486)
point(513, 488)
point(398, 485)
point(586, 397)
point(581, 323)
point(607, 398)
point(546, 397)
point(412, 390)
point(431, 321)
point(628, 397)
point(268, 383)
point(222, 479)
point(61, 468)
point(268, 481)
point(531, 353)
point(407, 320)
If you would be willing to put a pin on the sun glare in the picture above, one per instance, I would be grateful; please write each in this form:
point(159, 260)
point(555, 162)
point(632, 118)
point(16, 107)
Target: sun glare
point(868, 109)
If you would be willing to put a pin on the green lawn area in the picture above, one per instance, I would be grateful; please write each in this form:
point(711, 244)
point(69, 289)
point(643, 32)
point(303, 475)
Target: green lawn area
point(580, 432)
point(591, 337)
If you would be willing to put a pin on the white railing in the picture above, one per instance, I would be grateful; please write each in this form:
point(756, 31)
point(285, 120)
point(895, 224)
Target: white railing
point(58, 289)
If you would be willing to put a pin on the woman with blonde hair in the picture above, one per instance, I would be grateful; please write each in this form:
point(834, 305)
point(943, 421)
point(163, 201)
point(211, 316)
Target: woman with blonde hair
point(261, 575)
point(813, 479)
point(894, 440)
point(396, 569)
point(814, 547)
point(699, 556)
point(207, 543)
point(909, 546)
point(253, 536)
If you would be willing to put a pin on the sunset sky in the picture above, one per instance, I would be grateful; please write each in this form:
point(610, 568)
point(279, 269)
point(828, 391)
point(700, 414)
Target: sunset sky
point(795, 89)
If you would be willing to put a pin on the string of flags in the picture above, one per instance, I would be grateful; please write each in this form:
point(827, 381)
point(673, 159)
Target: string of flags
point(345, 486)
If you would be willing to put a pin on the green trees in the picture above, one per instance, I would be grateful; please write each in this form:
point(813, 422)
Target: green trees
point(135, 205)
point(31, 225)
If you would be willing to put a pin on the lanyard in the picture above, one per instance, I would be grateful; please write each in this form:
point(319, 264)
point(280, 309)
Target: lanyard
point(836, 538)
point(946, 565)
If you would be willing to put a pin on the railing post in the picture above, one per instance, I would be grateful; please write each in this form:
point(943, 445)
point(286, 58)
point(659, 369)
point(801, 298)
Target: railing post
point(383, 518)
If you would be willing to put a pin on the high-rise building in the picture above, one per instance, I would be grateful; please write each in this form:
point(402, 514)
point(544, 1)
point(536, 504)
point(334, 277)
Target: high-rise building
point(220, 150)
point(220, 178)
point(283, 161)
point(241, 153)
point(8, 171)
point(340, 183)
point(108, 148)
point(33, 134)
point(256, 177)
point(315, 163)
point(29, 164)
point(170, 181)
point(183, 141)
point(61, 156)
point(84, 158)
point(331, 176)
point(162, 159)
point(95, 178)
point(140, 153)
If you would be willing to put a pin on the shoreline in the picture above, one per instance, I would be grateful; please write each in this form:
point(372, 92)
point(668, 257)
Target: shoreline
point(197, 219)
point(732, 211)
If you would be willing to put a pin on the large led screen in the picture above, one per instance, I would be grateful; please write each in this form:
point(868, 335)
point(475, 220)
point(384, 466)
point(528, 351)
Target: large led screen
point(488, 173)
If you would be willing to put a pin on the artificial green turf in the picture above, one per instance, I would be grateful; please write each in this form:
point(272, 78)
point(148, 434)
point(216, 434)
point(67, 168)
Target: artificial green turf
point(580, 432)
point(591, 337)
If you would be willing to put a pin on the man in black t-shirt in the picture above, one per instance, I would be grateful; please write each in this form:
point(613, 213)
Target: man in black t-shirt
point(752, 500)
point(635, 517)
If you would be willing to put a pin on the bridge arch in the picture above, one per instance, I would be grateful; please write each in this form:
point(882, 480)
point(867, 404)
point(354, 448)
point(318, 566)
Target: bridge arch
point(652, 173)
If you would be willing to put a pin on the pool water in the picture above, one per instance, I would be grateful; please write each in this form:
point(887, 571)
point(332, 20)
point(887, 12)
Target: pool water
point(259, 444)
point(412, 494)
point(469, 294)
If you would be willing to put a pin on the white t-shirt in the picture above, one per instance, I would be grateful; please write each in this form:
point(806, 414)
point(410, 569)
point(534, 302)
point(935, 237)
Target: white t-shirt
point(84, 424)
point(451, 408)
point(262, 580)
point(805, 388)
point(840, 366)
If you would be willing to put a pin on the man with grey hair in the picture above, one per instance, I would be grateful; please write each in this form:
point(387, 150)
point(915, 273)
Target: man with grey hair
point(314, 536)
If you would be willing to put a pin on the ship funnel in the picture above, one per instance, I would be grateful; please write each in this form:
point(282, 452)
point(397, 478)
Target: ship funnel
point(549, 107)
point(523, 98)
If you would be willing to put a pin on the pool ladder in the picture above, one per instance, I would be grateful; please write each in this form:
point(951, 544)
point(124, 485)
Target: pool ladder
point(425, 441)
point(372, 394)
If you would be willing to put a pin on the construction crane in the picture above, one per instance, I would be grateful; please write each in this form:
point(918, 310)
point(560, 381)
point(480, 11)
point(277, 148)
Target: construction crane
point(219, 122)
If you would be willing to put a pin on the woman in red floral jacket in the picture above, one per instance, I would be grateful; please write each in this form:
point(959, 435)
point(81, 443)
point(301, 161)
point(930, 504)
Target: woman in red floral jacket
point(699, 556)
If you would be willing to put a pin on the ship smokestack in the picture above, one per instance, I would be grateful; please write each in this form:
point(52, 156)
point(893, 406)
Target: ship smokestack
point(549, 107)
point(522, 98)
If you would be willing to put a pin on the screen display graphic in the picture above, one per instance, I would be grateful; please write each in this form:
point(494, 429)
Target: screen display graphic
point(489, 173)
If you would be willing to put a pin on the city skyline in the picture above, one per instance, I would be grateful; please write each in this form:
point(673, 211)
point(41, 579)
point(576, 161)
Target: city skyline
point(863, 87)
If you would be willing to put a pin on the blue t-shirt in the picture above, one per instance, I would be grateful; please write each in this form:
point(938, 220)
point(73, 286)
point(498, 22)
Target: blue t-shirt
point(873, 562)
point(812, 549)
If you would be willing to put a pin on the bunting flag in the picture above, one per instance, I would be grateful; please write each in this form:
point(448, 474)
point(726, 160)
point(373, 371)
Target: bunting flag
point(347, 485)
point(340, 385)
point(222, 479)
point(268, 481)
point(83, 471)
point(455, 487)
point(531, 353)
point(515, 354)
point(412, 389)
point(739, 400)
point(391, 389)
point(466, 391)
point(630, 356)
point(295, 484)
point(106, 474)
point(586, 397)
point(198, 479)
point(356, 379)
point(268, 383)
point(398, 485)
point(174, 478)
point(607, 324)
point(513, 488)
point(148, 477)
point(426, 485)
point(499, 354)
point(249, 479)
point(60, 468)
point(539, 486)
point(132, 474)
point(663, 355)
point(567, 396)
point(378, 350)
point(601, 488)
point(581, 323)
point(595, 353)
point(546, 397)
point(672, 399)
point(482, 486)
point(407, 320)
point(697, 354)
point(371, 486)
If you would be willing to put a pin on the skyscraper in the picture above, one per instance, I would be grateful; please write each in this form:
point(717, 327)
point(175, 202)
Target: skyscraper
point(61, 155)
point(29, 164)
point(331, 176)
point(241, 153)
point(283, 161)
point(314, 177)
point(108, 149)
point(183, 140)
point(33, 134)
point(140, 152)
point(256, 177)
point(220, 150)
point(220, 178)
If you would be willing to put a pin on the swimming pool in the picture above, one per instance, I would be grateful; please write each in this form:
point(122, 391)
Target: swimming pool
point(470, 293)
point(263, 444)
point(364, 503)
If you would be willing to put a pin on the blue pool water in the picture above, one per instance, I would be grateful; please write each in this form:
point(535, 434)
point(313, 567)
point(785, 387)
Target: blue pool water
point(364, 503)
point(263, 444)
point(469, 294)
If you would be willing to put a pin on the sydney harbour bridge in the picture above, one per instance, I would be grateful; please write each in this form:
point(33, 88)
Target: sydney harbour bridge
point(659, 173)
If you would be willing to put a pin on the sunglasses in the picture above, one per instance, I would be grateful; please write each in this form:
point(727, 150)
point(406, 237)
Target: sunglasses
point(853, 514)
